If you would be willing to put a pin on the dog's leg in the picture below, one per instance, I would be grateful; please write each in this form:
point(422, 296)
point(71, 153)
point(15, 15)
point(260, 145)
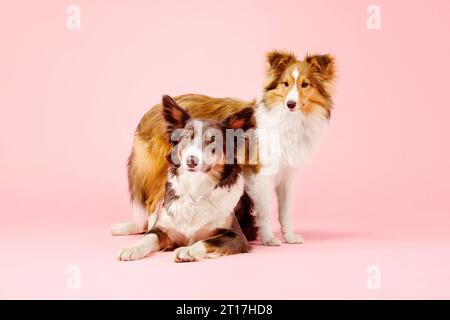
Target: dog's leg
point(260, 190)
point(284, 195)
point(126, 228)
point(148, 244)
point(141, 223)
point(226, 243)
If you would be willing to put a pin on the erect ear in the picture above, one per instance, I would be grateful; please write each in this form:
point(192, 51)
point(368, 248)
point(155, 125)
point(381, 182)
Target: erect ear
point(240, 120)
point(175, 116)
point(323, 66)
point(277, 62)
point(280, 59)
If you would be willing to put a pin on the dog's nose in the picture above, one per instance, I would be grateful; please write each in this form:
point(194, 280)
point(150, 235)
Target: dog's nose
point(291, 104)
point(192, 161)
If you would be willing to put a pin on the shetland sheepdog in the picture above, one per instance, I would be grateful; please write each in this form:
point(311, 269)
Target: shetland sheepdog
point(291, 114)
point(204, 200)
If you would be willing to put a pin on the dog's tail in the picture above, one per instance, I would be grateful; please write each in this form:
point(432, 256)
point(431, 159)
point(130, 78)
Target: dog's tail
point(245, 217)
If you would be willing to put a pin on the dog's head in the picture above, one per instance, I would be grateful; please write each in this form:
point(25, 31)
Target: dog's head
point(299, 85)
point(202, 145)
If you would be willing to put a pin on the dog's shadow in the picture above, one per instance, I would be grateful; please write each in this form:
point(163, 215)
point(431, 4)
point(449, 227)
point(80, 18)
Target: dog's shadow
point(318, 236)
point(332, 235)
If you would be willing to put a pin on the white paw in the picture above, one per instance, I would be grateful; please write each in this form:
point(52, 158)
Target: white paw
point(274, 241)
point(293, 238)
point(131, 253)
point(188, 254)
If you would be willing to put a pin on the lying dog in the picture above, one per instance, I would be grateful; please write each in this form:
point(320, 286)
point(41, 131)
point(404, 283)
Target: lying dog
point(204, 192)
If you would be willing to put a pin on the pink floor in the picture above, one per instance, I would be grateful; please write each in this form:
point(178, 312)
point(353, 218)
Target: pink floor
point(332, 264)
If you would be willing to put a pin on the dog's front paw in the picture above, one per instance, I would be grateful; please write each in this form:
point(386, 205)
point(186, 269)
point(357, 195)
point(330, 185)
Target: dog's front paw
point(293, 238)
point(131, 253)
point(273, 241)
point(189, 254)
point(182, 255)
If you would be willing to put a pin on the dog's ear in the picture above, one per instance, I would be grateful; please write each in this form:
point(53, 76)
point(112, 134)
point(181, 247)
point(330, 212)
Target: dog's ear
point(323, 66)
point(323, 73)
point(277, 62)
point(175, 116)
point(280, 59)
point(242, 119)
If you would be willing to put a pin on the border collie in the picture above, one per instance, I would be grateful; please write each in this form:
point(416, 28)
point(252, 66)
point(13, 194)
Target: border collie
point(204, 192)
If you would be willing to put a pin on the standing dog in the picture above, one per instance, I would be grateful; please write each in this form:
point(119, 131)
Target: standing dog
point(294, 108)
point(291, 115)
point(204, 192)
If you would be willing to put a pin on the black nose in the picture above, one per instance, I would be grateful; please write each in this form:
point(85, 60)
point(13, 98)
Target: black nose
point(291, 104)
point(192, 161)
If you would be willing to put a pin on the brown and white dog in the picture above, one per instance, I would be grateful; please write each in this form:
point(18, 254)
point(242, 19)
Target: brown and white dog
point(204, 192)
point(147, 165)
point(291, 115)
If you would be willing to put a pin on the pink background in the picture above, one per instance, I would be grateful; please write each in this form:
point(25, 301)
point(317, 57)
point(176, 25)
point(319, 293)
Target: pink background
point(376, 193)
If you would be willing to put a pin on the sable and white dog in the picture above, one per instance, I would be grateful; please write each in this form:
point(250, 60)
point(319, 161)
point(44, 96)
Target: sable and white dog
point(204, 199)
point(291, 114)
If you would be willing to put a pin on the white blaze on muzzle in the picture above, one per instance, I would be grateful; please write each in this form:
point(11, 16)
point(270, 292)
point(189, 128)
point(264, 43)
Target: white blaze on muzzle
point(293, 93)
point(195, 151)
point(195, 148)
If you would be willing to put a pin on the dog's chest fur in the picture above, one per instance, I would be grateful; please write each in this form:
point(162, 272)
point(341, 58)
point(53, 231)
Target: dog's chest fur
point(195, 207)
point(286, 139)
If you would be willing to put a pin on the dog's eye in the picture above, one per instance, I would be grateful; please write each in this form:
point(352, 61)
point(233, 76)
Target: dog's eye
point(186, 135)
point(305, 84)
point(285, 84)
point(210, 139)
